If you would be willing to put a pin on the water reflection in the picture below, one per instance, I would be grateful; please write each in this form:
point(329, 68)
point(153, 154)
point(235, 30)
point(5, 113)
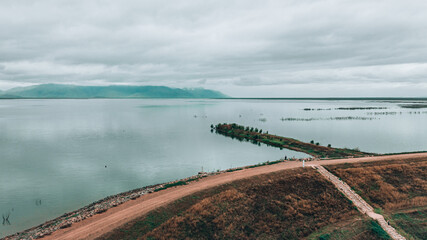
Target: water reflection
point(59, 155)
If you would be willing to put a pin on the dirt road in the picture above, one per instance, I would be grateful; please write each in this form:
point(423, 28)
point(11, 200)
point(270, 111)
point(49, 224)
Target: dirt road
point(115, 217)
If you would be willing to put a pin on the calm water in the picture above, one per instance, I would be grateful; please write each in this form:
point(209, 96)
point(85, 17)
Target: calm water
point(53, 153)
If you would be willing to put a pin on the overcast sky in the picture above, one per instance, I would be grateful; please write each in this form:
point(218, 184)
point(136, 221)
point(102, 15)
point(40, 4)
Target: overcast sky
point(242, 48)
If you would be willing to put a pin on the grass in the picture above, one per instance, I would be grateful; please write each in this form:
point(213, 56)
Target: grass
point(244, 133)
point(169, 185)
point(387, 185)
point(294, 204)
point(413, 221)
point(358, 228)
point(288, 204)
point(378, 231)
point(392, 187)
point(143, 225)
point(379, 211)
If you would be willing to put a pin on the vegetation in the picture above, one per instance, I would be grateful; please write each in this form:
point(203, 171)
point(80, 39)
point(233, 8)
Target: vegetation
point(377, 229)
point(359, 108)
point(290, 204)
point(396, 189)
point(166, 186)
point(74, 91)
point(413, 221)
point(389, 185)
point(413, 105)
point(358, 228)
point(249, 134)
point(343, 108)
point(330, 118)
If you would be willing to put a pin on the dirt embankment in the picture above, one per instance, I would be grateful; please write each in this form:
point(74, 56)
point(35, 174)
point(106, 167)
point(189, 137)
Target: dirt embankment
point(99, 224)
point(105, 222)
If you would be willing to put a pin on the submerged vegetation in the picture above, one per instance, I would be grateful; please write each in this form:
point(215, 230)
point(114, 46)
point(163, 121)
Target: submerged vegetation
point(413, 105)
point(257, 136)
point(330, 118)
point(343, 108)
point(395, 113)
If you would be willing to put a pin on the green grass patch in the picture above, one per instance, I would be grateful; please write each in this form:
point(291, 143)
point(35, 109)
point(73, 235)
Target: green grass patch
point(169, 185)
point(379, 211)
point(378, 230)
point(413, 223)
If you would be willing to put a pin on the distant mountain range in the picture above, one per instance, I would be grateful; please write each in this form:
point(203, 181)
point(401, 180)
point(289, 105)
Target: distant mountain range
point(74, 91)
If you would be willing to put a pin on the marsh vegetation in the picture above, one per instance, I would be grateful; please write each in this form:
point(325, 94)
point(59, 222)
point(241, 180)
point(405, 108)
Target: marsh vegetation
point(257, 136)
point(328, 119)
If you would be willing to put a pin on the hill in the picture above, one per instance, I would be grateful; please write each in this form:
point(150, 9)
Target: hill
point(74, 91)
point(290, 204)
point(396, 189)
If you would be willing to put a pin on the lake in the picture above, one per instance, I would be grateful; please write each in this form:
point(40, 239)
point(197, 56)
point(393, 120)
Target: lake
point(59, 155)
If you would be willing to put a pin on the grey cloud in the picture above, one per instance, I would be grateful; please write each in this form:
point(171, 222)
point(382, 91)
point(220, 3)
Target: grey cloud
point(233, 44)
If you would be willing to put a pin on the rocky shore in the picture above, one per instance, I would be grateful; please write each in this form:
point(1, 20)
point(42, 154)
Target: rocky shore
point(103, 205)
point(97, 207)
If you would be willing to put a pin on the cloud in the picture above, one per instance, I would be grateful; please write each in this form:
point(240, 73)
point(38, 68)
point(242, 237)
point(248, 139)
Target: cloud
point(224, 45)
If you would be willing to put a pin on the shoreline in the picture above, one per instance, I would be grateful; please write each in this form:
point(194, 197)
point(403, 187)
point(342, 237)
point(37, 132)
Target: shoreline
point(104, 204)
point(99, 207)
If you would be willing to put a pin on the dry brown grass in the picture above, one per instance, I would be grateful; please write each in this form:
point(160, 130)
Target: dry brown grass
point(389, 185)
point(357, 228)
point(283, 205)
